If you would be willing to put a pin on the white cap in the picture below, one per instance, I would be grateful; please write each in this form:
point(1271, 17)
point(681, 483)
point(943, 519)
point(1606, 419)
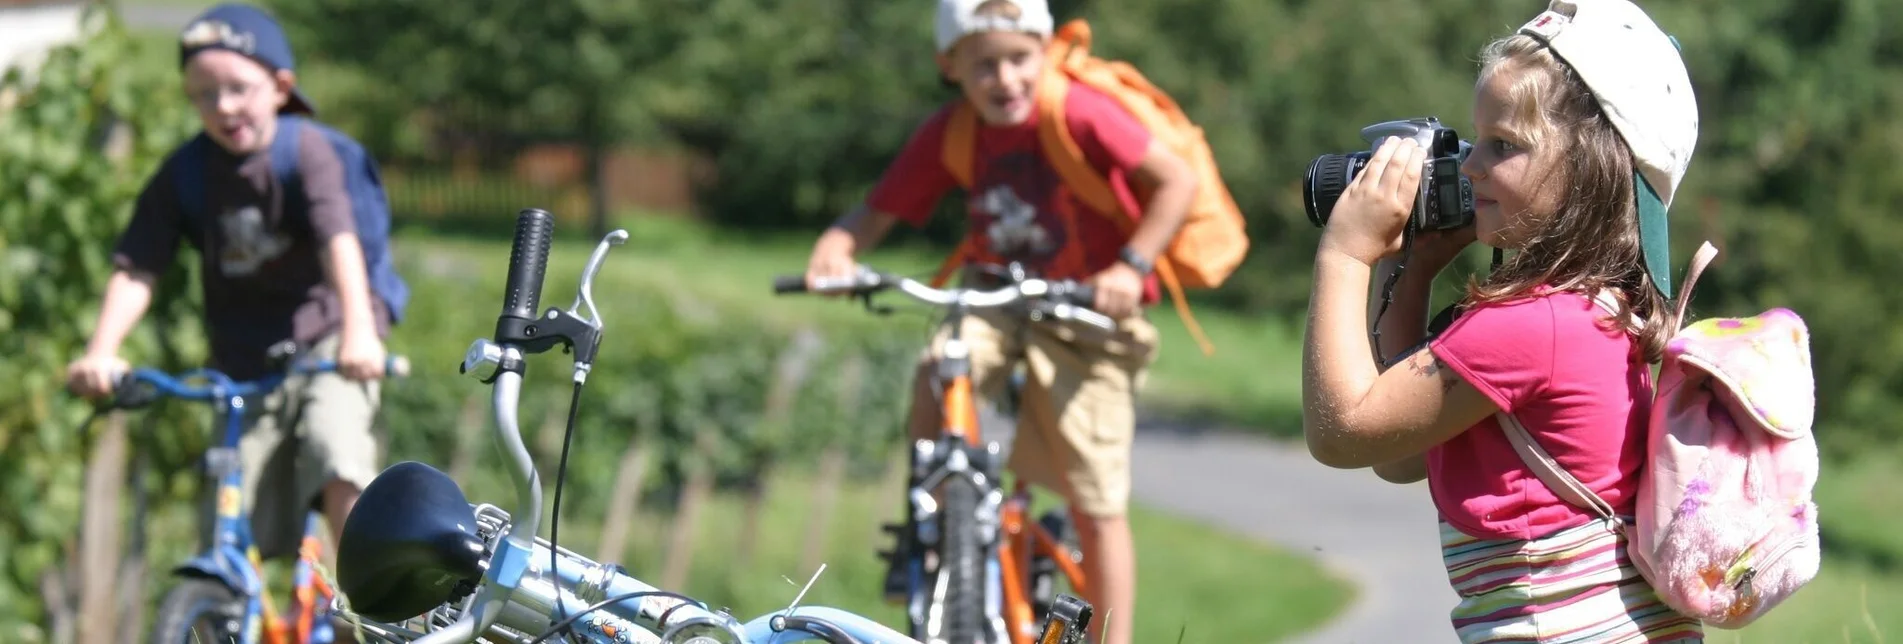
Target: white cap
point(958, 18)
point(1635, 71)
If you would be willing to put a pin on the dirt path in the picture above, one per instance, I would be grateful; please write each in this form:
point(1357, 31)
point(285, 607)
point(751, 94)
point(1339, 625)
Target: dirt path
point(1379, 535)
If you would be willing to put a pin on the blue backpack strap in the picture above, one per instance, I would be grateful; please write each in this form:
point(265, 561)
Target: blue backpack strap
point(284, 155)
point(369, 207)
point(188, 181)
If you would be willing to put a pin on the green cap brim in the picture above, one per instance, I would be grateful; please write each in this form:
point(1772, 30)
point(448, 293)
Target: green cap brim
point(1654, 235)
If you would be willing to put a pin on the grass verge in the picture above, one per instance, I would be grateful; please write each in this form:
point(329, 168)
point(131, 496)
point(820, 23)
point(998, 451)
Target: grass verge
point(1206, 584)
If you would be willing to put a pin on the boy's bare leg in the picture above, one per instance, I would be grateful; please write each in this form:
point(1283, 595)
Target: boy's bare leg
point(339, 497)
point(1110, 569)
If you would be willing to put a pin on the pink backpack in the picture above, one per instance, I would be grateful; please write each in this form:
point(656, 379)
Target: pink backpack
point(1725, 527)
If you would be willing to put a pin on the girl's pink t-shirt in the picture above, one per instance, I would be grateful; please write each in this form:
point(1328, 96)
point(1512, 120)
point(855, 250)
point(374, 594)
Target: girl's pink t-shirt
point(1582, 390)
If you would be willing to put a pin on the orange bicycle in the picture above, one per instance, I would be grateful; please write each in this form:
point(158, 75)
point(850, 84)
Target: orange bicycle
point(967, 565)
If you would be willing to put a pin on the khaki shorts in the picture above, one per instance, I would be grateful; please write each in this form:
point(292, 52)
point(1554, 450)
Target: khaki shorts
point(330, 418)
point(1077, 411)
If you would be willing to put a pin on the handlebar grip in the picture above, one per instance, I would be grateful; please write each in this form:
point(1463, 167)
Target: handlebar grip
point(398, 366)
point(528, 260)
point(1084, 295)
point(789, 284)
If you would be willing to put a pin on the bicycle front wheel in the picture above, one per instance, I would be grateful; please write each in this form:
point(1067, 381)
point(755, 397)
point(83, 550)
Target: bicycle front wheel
point(199, 611)
point(962, 566)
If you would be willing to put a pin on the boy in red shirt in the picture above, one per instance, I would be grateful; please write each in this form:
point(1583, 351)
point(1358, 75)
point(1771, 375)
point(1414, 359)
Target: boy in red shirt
point(1078, 409)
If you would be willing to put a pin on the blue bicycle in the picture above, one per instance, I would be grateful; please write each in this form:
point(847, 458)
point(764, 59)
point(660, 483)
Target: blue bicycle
point(220, 595)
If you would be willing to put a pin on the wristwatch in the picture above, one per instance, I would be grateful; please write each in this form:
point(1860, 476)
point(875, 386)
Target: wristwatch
point(1130, 256)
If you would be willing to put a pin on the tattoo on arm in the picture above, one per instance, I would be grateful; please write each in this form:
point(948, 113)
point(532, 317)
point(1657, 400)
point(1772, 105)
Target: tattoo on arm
point(1427, 365)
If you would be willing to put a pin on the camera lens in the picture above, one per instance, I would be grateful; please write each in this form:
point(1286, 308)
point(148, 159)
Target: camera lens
point(1328, 176)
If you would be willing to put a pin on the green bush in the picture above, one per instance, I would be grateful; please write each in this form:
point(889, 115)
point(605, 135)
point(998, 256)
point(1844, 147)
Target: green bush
point(665, 374)
point(86, 131)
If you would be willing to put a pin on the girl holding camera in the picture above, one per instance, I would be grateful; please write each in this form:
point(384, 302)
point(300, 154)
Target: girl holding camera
point(1585, 123)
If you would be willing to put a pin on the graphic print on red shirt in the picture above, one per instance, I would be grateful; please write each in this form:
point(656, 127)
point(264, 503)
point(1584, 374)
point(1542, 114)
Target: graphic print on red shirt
point(1019, 208)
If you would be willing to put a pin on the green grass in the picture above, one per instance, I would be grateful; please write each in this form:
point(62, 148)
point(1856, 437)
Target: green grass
point(1218, 586)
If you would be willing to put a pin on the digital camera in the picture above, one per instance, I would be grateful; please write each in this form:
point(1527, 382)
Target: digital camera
point(1445, 200)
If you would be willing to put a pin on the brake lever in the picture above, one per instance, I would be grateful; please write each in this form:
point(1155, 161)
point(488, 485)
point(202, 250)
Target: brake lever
point(585, 293)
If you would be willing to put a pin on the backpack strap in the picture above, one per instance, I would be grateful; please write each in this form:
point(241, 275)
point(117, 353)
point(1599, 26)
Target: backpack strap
point(960, 142)
point(1701, 259)
point(956, 152)
point(188, 180)
point(284, 158)
point(1065, 156)
point(1549, 471)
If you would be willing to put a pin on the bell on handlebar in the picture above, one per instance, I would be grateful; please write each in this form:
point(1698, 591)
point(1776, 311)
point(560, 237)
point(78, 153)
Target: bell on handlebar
point(409, 544)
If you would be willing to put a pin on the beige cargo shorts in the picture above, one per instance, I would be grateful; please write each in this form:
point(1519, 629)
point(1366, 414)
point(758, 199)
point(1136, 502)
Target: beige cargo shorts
point(1077, 410)
point(312, 429)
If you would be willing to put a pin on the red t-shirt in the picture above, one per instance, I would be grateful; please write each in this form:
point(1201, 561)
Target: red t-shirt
point(1018, 206)
point(1583, 391)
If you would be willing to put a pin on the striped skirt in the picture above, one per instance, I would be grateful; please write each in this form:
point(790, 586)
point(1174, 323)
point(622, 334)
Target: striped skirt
point(1575, 586)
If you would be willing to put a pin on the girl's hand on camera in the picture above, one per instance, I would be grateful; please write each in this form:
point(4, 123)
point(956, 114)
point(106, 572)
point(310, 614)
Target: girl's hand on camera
point(1369, 219)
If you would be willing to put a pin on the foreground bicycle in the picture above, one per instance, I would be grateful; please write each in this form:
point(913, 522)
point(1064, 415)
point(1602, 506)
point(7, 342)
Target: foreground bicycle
point(221, 594)
point(419, 563)
point(990, 576)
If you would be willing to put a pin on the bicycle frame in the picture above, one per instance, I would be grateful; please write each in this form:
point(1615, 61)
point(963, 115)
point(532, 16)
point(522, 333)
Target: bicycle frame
point(232, 556)
point(1009, 561)
point(1012, 543)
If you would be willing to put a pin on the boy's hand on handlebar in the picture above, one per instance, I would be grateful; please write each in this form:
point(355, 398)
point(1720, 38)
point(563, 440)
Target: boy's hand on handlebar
point(829, 263)
point(92, 376)
point(1119, 290)
point(361, 356)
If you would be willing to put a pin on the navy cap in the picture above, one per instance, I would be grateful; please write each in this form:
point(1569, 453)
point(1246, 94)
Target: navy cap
point(247, 30)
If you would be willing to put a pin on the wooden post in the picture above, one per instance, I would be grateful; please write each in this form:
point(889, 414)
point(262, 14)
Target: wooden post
point(700, 483)
point(624, 504)
point(832, 466)
point(793, 366)
point(99, 534)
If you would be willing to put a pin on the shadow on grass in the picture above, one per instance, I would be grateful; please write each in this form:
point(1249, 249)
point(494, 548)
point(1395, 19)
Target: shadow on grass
point(1267, 420)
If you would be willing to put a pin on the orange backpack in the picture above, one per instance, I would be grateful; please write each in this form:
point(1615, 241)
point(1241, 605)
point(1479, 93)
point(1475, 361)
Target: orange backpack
point(1212, 240)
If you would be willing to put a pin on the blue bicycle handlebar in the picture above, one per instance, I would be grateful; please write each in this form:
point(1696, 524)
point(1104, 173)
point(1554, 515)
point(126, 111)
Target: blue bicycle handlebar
point(217, 385)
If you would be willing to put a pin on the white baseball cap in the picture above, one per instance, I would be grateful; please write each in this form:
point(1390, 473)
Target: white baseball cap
point(959, 18)
point(1635, 71)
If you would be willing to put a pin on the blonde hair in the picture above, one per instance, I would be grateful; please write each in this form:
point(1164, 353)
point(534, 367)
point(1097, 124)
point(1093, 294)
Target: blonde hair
point(1591, 242)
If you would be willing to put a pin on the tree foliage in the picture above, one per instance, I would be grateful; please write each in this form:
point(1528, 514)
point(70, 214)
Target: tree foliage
point(78, 145)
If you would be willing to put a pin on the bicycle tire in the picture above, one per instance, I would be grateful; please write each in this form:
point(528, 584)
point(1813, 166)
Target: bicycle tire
point(192, 599)
point(962, 557)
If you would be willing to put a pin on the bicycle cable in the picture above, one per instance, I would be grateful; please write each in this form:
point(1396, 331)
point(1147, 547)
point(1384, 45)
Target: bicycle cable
point(570, 620)
point(555, 517)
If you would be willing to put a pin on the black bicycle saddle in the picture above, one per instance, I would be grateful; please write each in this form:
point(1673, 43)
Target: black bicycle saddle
point(409, 544)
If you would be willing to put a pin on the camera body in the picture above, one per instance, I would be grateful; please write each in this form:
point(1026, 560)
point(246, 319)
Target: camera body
point(1445, 200)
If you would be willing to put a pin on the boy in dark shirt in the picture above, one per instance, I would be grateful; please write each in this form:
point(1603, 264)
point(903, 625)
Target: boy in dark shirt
point(276, 265)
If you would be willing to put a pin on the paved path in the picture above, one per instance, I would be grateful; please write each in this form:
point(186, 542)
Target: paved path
point(1379, 535)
